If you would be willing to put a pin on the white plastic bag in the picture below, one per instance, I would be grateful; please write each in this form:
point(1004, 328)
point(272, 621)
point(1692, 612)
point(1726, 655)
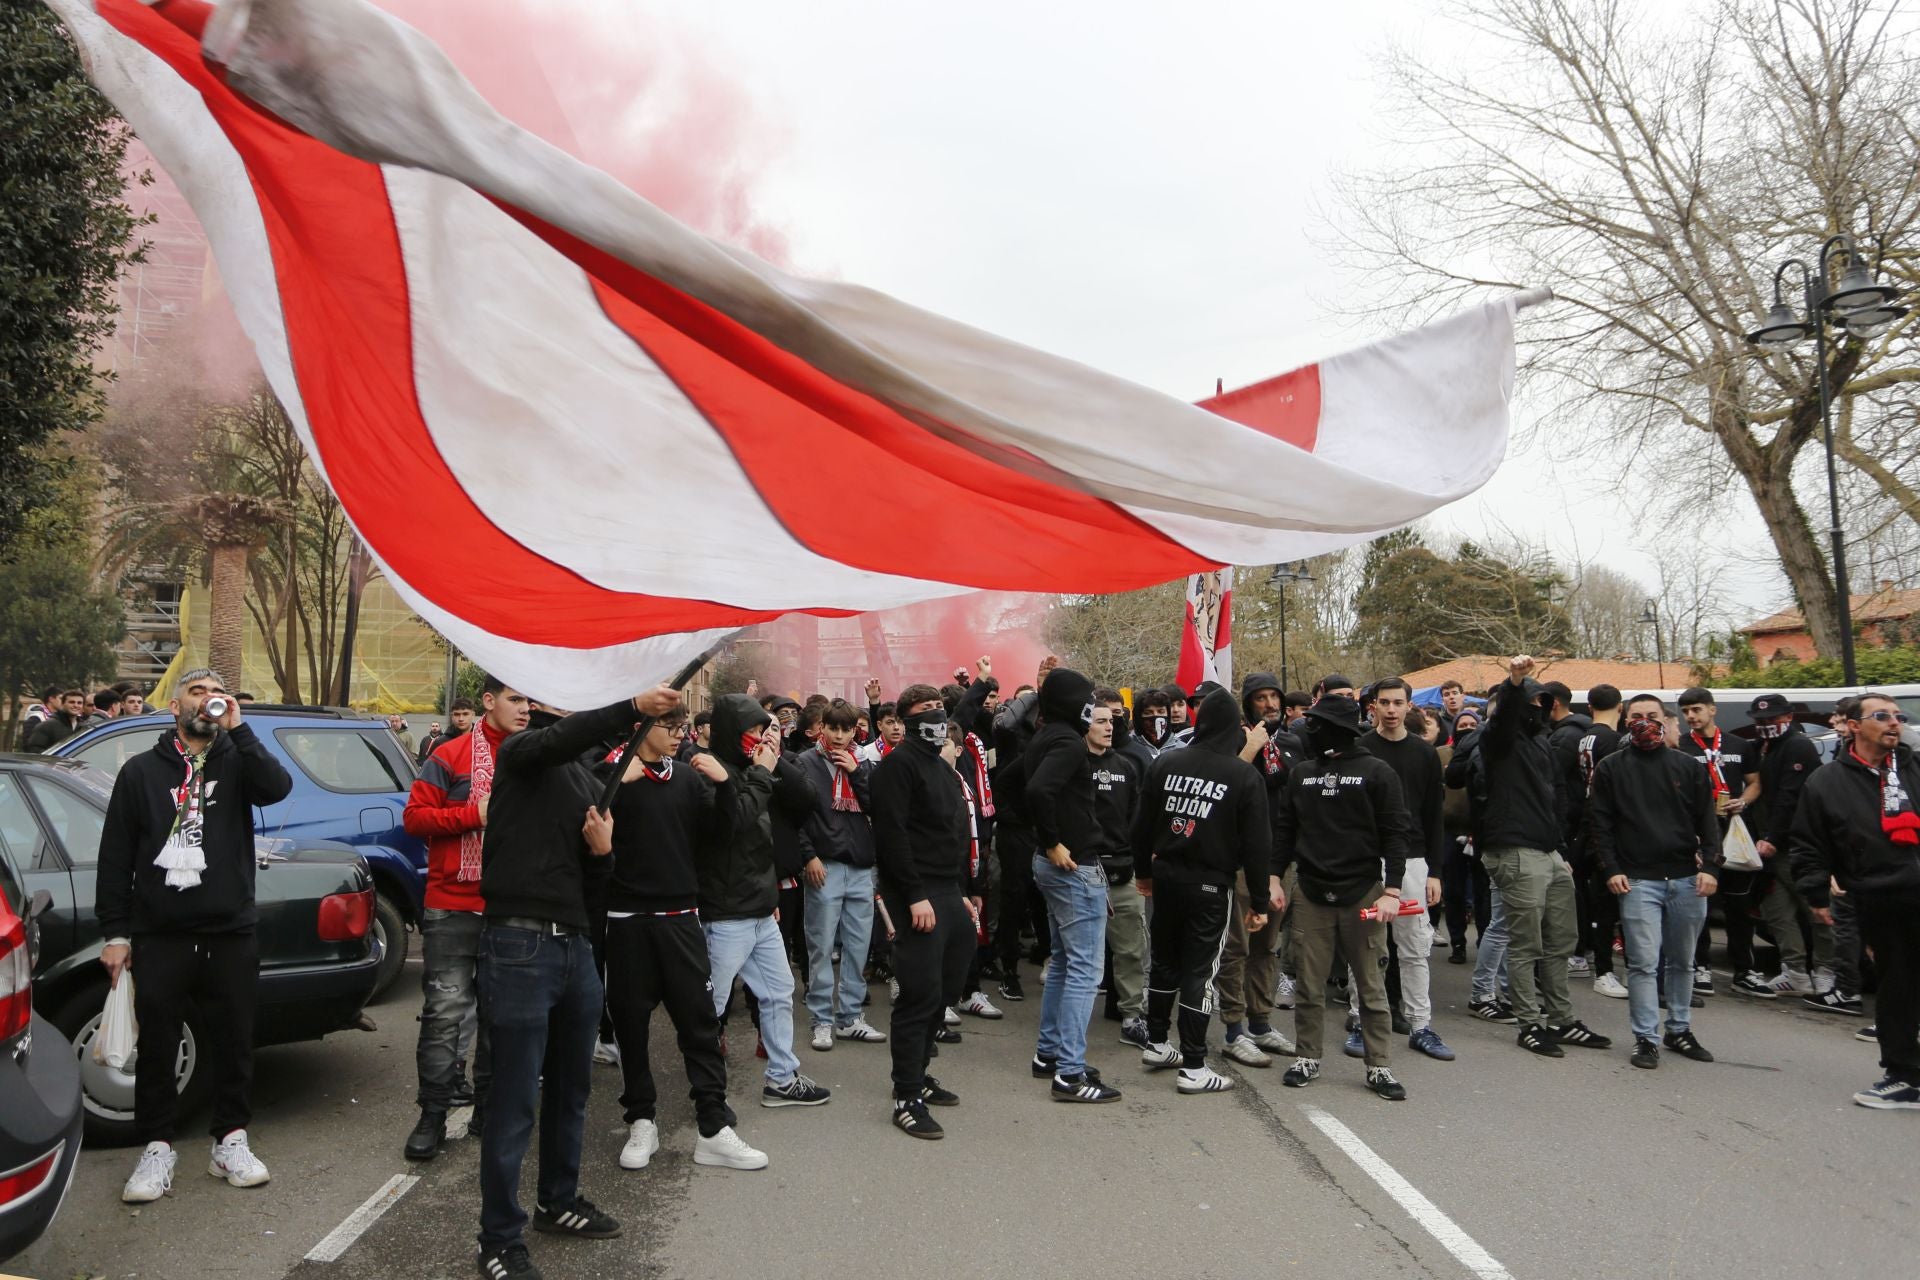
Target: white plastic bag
point(118, 1034)
point(1739, 850)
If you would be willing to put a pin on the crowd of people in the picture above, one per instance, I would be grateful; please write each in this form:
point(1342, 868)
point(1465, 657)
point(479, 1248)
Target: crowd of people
point(1186, 854)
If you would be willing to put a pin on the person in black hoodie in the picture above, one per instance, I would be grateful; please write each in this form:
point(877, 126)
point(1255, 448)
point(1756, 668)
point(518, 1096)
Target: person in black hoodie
point(1857, 833)
point(1517, 831)
point(740, 892)
point(1343, 821)
point(840, 881)
point(1202, 824)
point(174, 885)
point(1787, 759)
point(541, 996)
point(1116, 798)
point(1250, 964)
point(1068, 871)
point(922, 844)
point(1014, 725)
point(1651, 823)
point(656, 951)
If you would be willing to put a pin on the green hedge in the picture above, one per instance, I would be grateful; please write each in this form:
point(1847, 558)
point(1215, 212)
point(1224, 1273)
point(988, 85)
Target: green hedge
point(1877, 666)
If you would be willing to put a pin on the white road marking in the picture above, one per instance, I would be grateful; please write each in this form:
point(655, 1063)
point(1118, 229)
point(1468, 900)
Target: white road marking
point(341, 1238)
point(1452, 1237)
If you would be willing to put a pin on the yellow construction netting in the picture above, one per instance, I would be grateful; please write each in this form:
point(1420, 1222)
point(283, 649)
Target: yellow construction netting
point(398, 662)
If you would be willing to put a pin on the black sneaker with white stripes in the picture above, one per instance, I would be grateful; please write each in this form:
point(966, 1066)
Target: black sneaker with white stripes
point(1536, 1038)
point(1581, 1036)
point(577, 1219)
point(499, 1264)
point(1043, 1068)
point(1085, 1087)
point(934, 1096)
point(910, 1117)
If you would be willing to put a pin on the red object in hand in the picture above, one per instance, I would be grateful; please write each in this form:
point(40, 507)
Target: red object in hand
point(1408, 907)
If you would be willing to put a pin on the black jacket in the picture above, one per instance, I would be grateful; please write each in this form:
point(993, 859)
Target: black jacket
point(839, 835)
point(1837, 833)
point(737, 880)
point(920, 836)
point(1014, 725)
point(1786, 763)
point(1203, 810)
point(1344, 822)
point(1521, 805)
point(794, 809)
point(656, 828)
point(534, 861)
point(130, 893)
point(52, 731)
point(1570, 781)
point(1059, 790)
point(1650, 816)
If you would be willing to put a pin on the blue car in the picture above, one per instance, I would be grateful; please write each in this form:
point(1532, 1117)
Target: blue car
point(350, 783)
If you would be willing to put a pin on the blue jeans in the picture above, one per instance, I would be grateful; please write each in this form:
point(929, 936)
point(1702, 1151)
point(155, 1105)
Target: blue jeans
point(1661, 919)
point(844, 904)
point(540, 1001)
point(1077, 913)
point(1490, 962)
point(754, 952)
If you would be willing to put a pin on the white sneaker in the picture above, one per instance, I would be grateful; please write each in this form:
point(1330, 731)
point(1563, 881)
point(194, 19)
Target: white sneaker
point(725, 1150)
point(979, 1006)
point(606, 1054)
point(952, 1017)
point(860, 1029)
point(1579, 964)
point(1273, 1042)
point(1608, 985)
point(235, 1161)
point(1794, 981)
point(1157, 1056)
point(1823, 980)
point(152, 1177)
point(1201, 1080)
point(642, 1141)
point(1283, 993)
point(1245, 1052)
point(823, 1037)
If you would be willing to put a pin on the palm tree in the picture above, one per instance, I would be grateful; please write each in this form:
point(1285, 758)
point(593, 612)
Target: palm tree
point(232, 527)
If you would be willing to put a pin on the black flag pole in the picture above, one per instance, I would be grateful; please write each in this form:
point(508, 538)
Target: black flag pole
point(678, 683)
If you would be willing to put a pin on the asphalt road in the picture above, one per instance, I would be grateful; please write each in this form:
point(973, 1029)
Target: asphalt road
point(1499, 1164)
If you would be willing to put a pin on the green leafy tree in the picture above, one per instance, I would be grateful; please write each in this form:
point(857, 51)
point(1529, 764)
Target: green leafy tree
point(1417, 607)
point(55, 628)
point(65, 235)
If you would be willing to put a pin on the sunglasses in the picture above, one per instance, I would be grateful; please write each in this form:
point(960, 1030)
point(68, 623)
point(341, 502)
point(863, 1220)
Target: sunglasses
point(1886, 717)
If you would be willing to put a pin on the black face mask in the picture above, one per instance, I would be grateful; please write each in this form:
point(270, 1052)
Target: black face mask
point(928, 728)
point(1155, 730)
point(1325, 740)
point(1121, 731)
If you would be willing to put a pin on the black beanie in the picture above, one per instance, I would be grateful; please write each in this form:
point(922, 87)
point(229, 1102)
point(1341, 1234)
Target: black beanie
point(1066, 697)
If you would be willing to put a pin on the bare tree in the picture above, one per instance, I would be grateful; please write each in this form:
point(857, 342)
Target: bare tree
point(1606, 606)
point(1652, 164)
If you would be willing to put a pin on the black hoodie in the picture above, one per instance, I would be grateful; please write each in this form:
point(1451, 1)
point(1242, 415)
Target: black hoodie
point(534, 861)
point(737, 881)
point(1521, 805)
point(1059, 791)
point(921, 838)
point(1343, 820)
point(1650, 816)
point(656, 828)
point(1564, 740)
point(130, 893)
point(1786, 763)
point(1203, 810)
point(1283, 750)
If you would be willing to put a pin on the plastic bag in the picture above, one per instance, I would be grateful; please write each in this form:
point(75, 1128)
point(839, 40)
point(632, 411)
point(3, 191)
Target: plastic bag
point(1738, 848)
point(118, 1035)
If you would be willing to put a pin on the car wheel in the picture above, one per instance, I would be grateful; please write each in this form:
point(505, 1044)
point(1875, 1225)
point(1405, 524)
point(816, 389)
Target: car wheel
point(390, 932)
point(106, 1094)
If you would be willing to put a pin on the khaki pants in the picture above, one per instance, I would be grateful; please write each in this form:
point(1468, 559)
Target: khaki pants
point(1536, 887)
point(1127, 945)
point(1319, 931)
point(1783, 909)
point(1249, 967)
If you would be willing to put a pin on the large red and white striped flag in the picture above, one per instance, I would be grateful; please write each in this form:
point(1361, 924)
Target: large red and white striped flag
point(510, 369)
point(1206, 635)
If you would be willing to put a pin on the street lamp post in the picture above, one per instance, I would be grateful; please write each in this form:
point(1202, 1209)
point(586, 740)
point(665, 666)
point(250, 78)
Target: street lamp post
point(1861, 307)
point(1294, 571)
point(1650, 615)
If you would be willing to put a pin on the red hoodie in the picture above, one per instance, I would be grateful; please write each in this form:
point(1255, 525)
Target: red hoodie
point(439, 811)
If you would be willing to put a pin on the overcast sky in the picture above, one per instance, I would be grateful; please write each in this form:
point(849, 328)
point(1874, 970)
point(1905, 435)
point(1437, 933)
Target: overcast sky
point(1141, 186)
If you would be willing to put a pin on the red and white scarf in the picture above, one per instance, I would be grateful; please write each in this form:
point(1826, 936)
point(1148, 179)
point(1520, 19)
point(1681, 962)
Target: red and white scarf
point(1712, 756)
point(844, 800)
point(982, 789)
point(479, 787)
point(1897, 818)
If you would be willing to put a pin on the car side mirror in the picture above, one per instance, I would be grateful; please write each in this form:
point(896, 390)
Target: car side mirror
point(39, 904)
